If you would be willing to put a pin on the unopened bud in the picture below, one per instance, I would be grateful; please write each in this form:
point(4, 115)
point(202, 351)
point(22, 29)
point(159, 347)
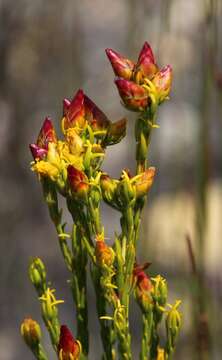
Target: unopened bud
point(104, 254)
point(126, 190)
point(108, 187)
point(173, 324)
point(162, 81)
point(160, 290)
point(78, 182)
point(37, 274)
point(122, 66)
point(116, 132)
point(68, 347)
point(31, 332)
point(143, 288)
point(134, 96)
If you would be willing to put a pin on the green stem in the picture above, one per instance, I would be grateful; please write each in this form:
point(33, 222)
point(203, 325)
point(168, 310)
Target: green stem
point(50, 317)
point(143, 131)
point(94, 229)
point(50, 196)
point(39, 352)
point(79, 278)
point(106, 330)
point(124, 345)
point(147, 336)
point(67, 255)
point(127, 224)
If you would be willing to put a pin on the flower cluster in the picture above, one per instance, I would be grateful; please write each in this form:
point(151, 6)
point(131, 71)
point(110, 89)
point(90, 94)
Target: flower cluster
point(71, 167)
point(87, 131)
point(140, 84)
point(72, 164)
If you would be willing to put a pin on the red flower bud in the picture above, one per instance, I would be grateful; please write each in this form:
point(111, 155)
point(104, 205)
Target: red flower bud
point(134, 96)
point(162, 80)
point(116, 132)
point(96, 118)
point(68, 347)
point(74, 111)
point(47, 134)
point(78, 181)
point(142, 279)
point(122, 66)
point(143, 286)
point(146, 62)
point(37, 152)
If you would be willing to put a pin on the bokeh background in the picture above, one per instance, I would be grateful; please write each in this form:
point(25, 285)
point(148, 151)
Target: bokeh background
point(49, 49)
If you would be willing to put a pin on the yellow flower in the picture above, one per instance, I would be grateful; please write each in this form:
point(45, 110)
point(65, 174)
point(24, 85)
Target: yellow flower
point(144, 181)
point(67, 158)
point(44, 168)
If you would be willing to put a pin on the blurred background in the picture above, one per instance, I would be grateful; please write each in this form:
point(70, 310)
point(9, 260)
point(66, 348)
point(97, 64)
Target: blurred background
point(49, 49)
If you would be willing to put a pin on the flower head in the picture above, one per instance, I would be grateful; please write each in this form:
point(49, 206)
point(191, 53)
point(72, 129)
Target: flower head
point(68, 347)
point(143, 84)
point(31, 332)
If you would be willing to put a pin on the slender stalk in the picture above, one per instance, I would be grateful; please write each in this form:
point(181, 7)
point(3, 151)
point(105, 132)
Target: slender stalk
point(79, 278)
point(51, 199)
point(143, 131)
point(143, 137)
point(92, 222)
point(39, 352)
point(107, 332)
point(147, 335)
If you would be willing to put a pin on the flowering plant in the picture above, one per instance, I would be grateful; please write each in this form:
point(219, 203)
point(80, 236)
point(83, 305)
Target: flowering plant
point(71, 168)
